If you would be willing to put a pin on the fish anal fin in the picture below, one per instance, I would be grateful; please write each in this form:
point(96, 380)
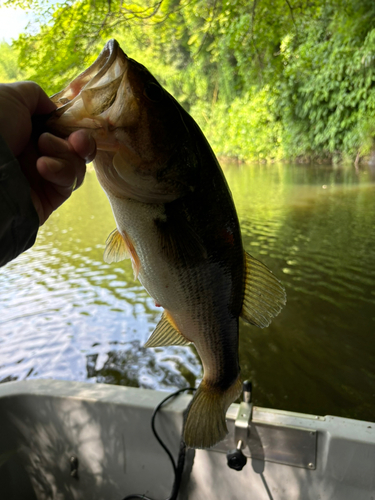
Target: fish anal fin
point(264, 295)
point(205, 423)
point(166, 333)
point(119, 246)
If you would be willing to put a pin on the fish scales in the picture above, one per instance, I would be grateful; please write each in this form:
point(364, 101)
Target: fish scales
point(199, 295)
point(176, 221)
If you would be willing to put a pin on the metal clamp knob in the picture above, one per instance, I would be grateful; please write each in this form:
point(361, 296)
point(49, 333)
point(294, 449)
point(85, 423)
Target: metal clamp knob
point(235, 458)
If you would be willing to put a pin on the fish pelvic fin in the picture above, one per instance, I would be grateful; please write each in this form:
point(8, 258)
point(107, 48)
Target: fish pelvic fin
point(119, 247)
point(264, 295)
point(205, 423)
point(166, 333)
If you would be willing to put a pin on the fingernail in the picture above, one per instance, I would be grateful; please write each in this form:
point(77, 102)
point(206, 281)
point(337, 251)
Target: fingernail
point(92, 155)
point(54, 165)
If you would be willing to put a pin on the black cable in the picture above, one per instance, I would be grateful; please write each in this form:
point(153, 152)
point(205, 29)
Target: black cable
point(177, 469)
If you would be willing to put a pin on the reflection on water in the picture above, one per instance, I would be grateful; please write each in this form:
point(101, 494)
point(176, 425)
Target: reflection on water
point(66, 314)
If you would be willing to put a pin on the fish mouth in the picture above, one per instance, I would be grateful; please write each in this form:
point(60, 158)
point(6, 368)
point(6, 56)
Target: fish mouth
point(87, 98)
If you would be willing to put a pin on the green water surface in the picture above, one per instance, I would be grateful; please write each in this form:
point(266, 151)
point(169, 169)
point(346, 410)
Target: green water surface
point(66, 314)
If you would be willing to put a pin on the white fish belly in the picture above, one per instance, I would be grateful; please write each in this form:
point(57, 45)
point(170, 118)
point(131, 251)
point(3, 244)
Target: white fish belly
point(190, 294)
point(161, 280)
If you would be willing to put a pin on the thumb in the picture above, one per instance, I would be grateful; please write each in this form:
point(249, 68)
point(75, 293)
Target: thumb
point(19, 101)
point(33, 98)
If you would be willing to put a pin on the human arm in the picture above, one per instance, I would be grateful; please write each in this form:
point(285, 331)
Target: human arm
point(36, 175)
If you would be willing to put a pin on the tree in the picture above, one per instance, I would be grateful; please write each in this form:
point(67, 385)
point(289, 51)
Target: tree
point(286, 77)
point(9, 70)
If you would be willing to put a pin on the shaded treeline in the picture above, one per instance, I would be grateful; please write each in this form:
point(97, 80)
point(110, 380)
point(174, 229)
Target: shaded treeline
point(265, 79)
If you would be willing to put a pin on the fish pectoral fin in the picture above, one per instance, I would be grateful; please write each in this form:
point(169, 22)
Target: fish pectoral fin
point(166, 333)
point(120, 247)
point(264, 295)
point(115, 248)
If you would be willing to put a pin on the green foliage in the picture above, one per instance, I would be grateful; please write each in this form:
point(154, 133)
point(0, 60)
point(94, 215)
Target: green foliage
point(327, 94)
point(246, 129)
point(63, 46)
point(9, 70)
point(264, 79)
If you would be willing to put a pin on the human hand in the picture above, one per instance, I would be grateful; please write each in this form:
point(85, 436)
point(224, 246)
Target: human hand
point(54, 167)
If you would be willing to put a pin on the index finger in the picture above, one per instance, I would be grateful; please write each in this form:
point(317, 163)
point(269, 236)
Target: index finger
point(32, 96)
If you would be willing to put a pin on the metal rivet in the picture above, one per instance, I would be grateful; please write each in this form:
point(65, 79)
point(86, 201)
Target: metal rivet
point(311, 465)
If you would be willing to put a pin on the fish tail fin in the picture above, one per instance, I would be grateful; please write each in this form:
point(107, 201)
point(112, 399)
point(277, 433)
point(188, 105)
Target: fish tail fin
point(205, 423)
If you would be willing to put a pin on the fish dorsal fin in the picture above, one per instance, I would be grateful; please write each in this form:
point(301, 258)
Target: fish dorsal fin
point(120, 247)
point(166, 333)
point(264, 295)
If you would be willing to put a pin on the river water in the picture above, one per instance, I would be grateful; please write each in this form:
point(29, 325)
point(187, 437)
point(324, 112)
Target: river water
point(65, 314)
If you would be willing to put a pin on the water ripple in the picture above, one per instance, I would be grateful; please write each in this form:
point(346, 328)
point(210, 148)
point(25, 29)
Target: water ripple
point(66, 314)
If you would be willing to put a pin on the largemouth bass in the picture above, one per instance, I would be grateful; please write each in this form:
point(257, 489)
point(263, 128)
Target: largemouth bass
point(176, 221)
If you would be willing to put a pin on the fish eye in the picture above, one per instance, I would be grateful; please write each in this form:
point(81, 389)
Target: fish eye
point(153, 92)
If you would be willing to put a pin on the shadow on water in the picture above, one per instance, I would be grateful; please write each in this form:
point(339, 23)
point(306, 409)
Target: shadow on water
point(66, 314)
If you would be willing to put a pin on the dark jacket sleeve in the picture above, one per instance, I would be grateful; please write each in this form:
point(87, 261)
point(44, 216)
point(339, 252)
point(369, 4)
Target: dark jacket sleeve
point(19, 220)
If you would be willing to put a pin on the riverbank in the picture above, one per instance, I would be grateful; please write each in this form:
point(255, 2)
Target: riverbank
point(366, 160)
